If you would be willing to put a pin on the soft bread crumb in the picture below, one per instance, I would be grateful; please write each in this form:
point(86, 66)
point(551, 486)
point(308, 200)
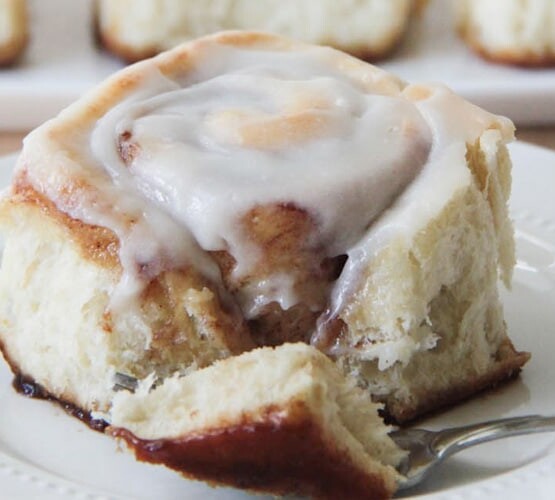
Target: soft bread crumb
point(443, 330)
point(179, 326)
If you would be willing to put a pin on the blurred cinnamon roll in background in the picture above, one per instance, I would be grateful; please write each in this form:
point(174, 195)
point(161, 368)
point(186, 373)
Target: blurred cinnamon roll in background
point(13, 30)
point(518, 32)
point(370, 29)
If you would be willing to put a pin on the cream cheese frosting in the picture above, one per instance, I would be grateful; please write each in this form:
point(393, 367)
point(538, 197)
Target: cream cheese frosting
point(177, 161)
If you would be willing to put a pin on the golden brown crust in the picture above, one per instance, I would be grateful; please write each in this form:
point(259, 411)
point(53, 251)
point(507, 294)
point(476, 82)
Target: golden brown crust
point(97, 244)
point(523, 57)
point(284, 453)
point(109, 40)
point(122, 50)
point(526, 59)
point(176, 62)
point(131, 55)
point(12, 50)
point(26, 385)
point(388, 47)
point(506, 368)
point(419, 6)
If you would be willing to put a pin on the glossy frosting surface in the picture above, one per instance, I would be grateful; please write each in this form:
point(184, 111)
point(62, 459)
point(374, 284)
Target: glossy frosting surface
point(173, 166)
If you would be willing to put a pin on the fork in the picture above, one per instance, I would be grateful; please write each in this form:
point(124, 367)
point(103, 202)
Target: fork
point(427, 449)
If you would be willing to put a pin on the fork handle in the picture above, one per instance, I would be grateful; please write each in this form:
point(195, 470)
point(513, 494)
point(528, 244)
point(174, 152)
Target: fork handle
point(450, 441)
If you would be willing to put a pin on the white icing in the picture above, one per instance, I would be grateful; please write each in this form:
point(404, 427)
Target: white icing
point(196, 167)
point(246, 128)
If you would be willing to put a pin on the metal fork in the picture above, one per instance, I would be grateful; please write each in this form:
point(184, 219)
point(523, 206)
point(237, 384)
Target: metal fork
point(427, 449)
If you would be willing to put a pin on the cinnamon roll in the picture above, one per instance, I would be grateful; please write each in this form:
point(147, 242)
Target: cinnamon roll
point(13, 30)
point(244, 190)
point(510, 31)
point(136, 29)
point(296, 426)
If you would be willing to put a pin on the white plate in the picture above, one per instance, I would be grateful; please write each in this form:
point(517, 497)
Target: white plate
point(63, 62)
point(45, 454)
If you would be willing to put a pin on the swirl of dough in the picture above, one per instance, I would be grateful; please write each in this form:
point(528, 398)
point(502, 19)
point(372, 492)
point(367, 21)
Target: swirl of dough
point(266, 129)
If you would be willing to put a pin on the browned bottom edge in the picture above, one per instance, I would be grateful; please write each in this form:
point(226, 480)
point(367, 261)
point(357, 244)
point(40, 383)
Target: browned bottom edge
point(27, 386)
point(524, 59)
point(280, 456)
point(506, 371)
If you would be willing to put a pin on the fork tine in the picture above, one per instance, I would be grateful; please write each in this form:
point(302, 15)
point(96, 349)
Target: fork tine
point(123, 382)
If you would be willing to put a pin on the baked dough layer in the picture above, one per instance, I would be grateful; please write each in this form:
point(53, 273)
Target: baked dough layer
point(137, 29)
point(510, 31)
